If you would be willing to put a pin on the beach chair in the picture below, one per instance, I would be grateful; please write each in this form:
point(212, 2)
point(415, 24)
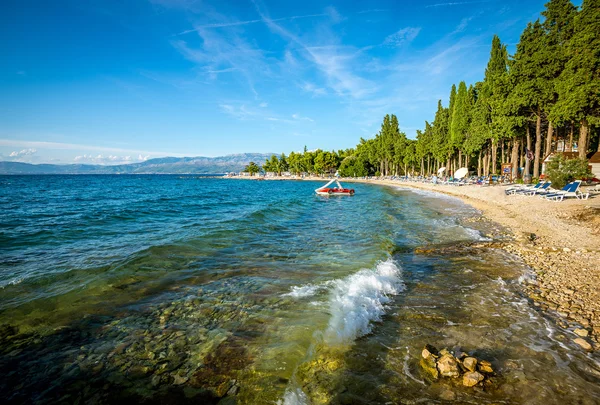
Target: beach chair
point(536, 191)
point(522, 187)
point(570, 190)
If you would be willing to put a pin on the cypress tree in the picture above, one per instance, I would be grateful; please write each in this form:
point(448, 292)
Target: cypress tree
point(460, 119)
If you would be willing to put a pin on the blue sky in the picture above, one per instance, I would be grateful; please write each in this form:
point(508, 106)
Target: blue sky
point(100, 81)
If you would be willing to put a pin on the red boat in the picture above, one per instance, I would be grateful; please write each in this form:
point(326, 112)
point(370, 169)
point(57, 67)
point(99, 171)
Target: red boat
point(339, 190)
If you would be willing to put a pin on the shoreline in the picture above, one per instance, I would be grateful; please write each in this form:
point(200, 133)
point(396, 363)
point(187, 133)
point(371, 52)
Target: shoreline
point(560, 242)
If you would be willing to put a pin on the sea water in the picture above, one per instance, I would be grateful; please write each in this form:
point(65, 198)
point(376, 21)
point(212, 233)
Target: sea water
point(175, 289)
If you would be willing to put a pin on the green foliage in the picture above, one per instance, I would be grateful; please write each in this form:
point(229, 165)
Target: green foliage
point(561, 170)
point(460, 117)
point(325, 162)
point(353, 166)
point(252, 168)
point(578, 83)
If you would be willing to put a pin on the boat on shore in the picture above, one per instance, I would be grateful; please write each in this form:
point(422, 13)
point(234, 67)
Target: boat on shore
point(339, 190)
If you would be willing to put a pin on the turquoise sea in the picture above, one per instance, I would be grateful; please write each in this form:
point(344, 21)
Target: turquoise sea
point(184, 289)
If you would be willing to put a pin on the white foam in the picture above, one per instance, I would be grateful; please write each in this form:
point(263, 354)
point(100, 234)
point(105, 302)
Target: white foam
point(308, 290)
point(14, 281)
point(294, 397)
point(475, 234)
point(359, 299)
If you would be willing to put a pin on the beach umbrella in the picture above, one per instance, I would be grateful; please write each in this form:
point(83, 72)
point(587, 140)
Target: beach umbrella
point(460, 173)
point(441, 170)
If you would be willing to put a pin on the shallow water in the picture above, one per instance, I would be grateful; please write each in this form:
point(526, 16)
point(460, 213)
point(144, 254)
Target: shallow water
point(173, 289)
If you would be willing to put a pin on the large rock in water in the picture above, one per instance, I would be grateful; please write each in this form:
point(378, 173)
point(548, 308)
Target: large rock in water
point(448, 366)
point(485, 367)
point(470, 363)
point(472, 378)
point(429, 356)
point(583, 343)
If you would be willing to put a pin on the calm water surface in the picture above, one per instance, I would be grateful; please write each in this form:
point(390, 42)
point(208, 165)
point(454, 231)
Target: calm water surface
point(169, 289)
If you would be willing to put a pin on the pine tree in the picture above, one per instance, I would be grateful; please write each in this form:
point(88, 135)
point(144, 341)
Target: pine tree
point(578, 84)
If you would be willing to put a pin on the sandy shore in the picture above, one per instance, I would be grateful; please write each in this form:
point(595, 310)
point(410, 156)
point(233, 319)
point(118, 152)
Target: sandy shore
point(560, 241)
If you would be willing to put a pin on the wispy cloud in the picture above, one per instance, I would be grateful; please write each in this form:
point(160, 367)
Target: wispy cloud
point(298, 117)
point(332, 61)
point(457, 3)
point(241, 112)
point(401, 37)
point(373, 10)
point(313, 89)
point(260, 20)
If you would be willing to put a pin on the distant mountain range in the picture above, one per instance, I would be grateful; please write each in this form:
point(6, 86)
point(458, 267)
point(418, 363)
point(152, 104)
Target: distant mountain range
point(167, 165)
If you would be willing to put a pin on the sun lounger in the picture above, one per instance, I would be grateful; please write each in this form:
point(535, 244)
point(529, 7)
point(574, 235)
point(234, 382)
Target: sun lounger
point(543, 189)
point(568, 191)
point(522, 187)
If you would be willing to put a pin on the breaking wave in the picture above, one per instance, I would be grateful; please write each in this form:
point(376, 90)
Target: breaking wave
point(359, 299)
point(356, 301)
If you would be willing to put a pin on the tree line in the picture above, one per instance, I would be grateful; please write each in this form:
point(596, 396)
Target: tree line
point(549, 90)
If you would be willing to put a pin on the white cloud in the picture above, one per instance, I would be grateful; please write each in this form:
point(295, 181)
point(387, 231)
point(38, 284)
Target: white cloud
point(311, 88)
point(75, 146)
point(457, 3)
point(24, 152)
point(105, 160)
point(331, 13)
point(298, 117)
point(263, 105)
point(401, 37)
point(240, 111)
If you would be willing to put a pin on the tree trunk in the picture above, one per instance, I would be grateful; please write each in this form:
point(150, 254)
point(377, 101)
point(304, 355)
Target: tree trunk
point(502, 152)
point(583, 138)
point(486, 164)
point(515, 158)
point(570, 147)
point(521, 156)
point(549, 137)
point(538, 145)
point(494, 155)
point(527, 171)
point(479, 165)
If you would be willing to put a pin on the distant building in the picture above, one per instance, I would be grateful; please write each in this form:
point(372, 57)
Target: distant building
point(595, 163)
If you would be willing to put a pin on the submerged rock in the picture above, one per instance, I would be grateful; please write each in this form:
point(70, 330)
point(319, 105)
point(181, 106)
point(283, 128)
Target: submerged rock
point(583, 343)
point(444, 364)
point(470, 363)
point(448, 366)
point(485, 367)
point(472, 378)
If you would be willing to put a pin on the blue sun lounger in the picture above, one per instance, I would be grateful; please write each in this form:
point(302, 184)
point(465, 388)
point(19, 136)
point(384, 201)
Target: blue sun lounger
point(542, 189)
point(521, 187)
point(570, 190)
